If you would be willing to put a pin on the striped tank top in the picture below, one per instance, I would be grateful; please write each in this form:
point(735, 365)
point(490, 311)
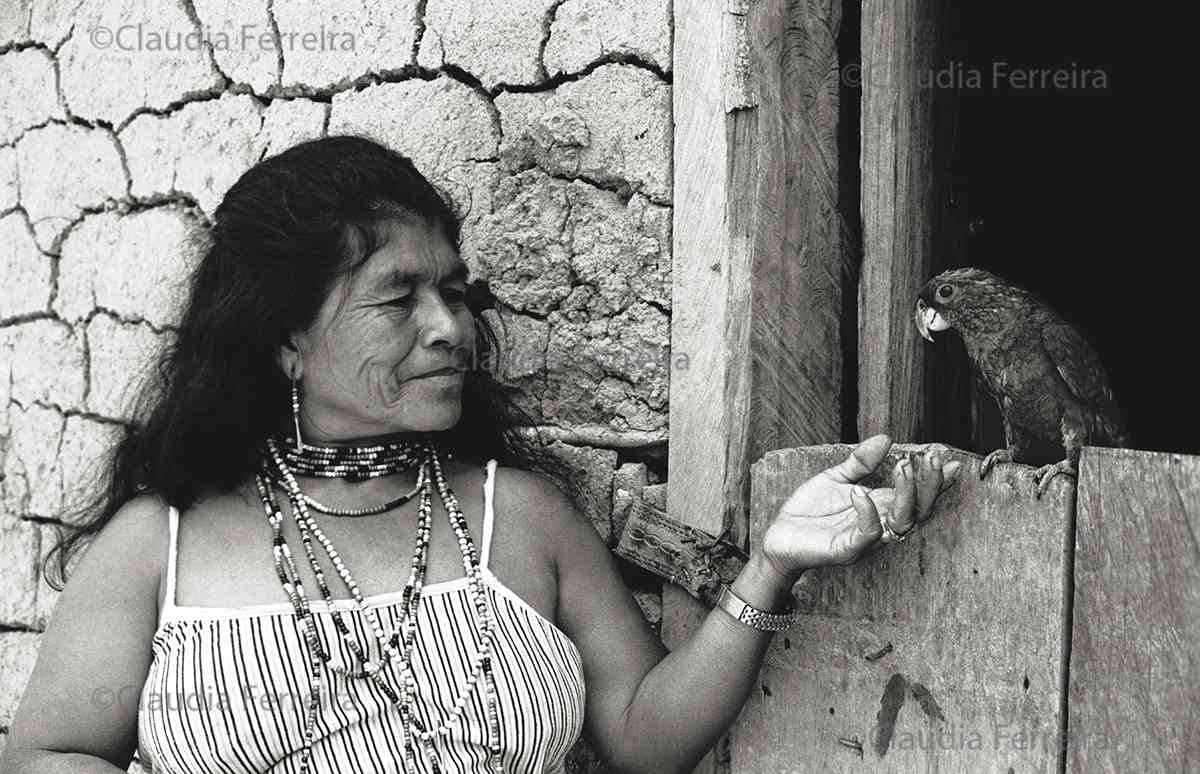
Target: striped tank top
point(228, 688)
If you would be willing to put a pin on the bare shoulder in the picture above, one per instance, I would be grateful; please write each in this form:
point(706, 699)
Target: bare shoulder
point(565, 535)
point(122, 564)
point(537, 489)
point(134, 541)
point(548, 509)
point(97, 645)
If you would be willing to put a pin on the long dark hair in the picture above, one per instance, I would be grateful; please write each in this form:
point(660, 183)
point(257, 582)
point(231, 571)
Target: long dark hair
point(282, 235)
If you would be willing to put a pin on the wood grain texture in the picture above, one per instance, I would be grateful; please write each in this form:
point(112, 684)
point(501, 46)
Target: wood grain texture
point(702, 299)
point(941, 654)
point(1135, 650)
point(757, 256)
point(699, 411)
point(900, 182)
point(757, 246)
point(799, 302)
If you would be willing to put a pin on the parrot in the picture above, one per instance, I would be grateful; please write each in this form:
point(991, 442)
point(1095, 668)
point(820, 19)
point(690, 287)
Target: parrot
point(1052, 390)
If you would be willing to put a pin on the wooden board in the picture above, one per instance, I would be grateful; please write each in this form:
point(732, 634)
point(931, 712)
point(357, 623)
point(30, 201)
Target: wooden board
point(757, 247)
point(1135, 650)
point(706, 78)
point(757, 251)
point(700, 249)
point(904, 181)
point(944, 653)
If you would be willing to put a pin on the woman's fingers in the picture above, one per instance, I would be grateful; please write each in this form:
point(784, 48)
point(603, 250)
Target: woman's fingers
point(929, 481)
point(866, 511)
point(934, 476)
point(863, 459)
point(950, 474)
point(903, 517)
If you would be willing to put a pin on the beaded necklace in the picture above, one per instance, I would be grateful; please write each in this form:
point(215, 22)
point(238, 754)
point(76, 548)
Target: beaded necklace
point(357, 464)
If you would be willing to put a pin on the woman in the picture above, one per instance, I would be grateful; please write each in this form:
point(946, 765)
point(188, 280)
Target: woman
point(246, 603)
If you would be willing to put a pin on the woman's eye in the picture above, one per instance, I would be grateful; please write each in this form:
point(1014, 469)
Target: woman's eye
point(454, 295)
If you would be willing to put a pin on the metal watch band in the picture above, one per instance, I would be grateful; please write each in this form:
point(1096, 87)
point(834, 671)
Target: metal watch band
point(751, 616)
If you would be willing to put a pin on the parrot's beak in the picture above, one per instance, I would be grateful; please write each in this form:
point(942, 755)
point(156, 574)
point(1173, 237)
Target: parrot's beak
point(928, 320)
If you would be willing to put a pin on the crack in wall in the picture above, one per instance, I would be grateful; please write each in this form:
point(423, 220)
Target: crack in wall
point(21, 135)
point(649, 302)
point(613, 57)
point(65, 414)
point(274, 25)
point(70, 34)
point(125, 320)
point(21, 319)
point(547, 25)
point(189, 98)
point(124, 159)
point(189, 8)
point(24, 45)
point(87, 362)
point(419, 24)
point(325, 120)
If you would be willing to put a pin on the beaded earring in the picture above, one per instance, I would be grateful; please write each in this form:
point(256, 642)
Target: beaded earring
point(296, 411)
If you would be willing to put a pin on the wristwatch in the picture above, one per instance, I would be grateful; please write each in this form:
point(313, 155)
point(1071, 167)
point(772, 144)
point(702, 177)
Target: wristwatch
point(753, 617)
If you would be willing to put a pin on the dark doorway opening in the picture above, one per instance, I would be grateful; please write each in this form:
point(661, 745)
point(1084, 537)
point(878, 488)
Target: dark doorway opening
point(1038, 198)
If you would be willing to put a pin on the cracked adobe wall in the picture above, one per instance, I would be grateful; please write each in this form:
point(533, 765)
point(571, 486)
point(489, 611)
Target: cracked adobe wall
point(123, 122)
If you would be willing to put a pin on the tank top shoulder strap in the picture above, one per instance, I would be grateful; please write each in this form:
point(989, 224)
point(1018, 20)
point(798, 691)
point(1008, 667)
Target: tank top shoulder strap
point(172, 550)
point(489, 516)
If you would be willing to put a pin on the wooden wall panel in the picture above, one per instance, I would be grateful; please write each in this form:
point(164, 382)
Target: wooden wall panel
point(1135, 650)
point(904, 183)
point(941, 654)
point(758, 254)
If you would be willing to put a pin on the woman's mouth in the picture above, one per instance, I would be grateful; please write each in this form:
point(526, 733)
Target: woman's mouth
point(440, 374)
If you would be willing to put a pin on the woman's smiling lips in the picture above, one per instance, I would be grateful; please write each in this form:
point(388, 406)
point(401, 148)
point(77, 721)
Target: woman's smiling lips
point(442, 372)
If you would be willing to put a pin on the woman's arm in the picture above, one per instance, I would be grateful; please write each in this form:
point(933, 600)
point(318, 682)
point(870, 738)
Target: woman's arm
point(650, 711)
point(79, 709)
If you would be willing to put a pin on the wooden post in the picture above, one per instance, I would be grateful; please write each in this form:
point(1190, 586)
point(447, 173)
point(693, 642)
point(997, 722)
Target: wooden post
point(904, 184)
point(758, 249)
point(941, 654)
point(1135, 650)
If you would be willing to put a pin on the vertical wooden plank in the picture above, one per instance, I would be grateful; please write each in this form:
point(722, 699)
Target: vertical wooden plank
point(798, 339)
point(900, 182)
point(757, 186)
point(705, 78)
point(1135, 647)
point(943, 654)
point(757, 250)
point(699, 418)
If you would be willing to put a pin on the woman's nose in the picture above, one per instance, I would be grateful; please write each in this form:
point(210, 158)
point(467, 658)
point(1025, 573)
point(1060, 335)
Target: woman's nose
point(439, 322)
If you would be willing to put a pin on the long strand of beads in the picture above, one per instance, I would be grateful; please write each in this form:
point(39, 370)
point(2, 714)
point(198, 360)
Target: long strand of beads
point(307, 531)
point(290, 578)
point(388, 649)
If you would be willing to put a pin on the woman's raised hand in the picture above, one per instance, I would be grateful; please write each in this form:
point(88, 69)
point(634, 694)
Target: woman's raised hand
point(831, 519)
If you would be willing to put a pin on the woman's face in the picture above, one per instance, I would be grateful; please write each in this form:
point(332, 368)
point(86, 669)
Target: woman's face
point(363, 364)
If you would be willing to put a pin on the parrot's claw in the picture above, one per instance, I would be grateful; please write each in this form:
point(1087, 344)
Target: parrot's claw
point(1000, 455)
point(1046, 473)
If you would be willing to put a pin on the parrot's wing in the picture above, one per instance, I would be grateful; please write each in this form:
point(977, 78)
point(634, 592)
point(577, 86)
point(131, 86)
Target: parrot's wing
point(1078, 365)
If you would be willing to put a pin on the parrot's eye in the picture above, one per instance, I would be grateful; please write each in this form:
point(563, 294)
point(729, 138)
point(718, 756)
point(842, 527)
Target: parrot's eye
point(945, 291)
